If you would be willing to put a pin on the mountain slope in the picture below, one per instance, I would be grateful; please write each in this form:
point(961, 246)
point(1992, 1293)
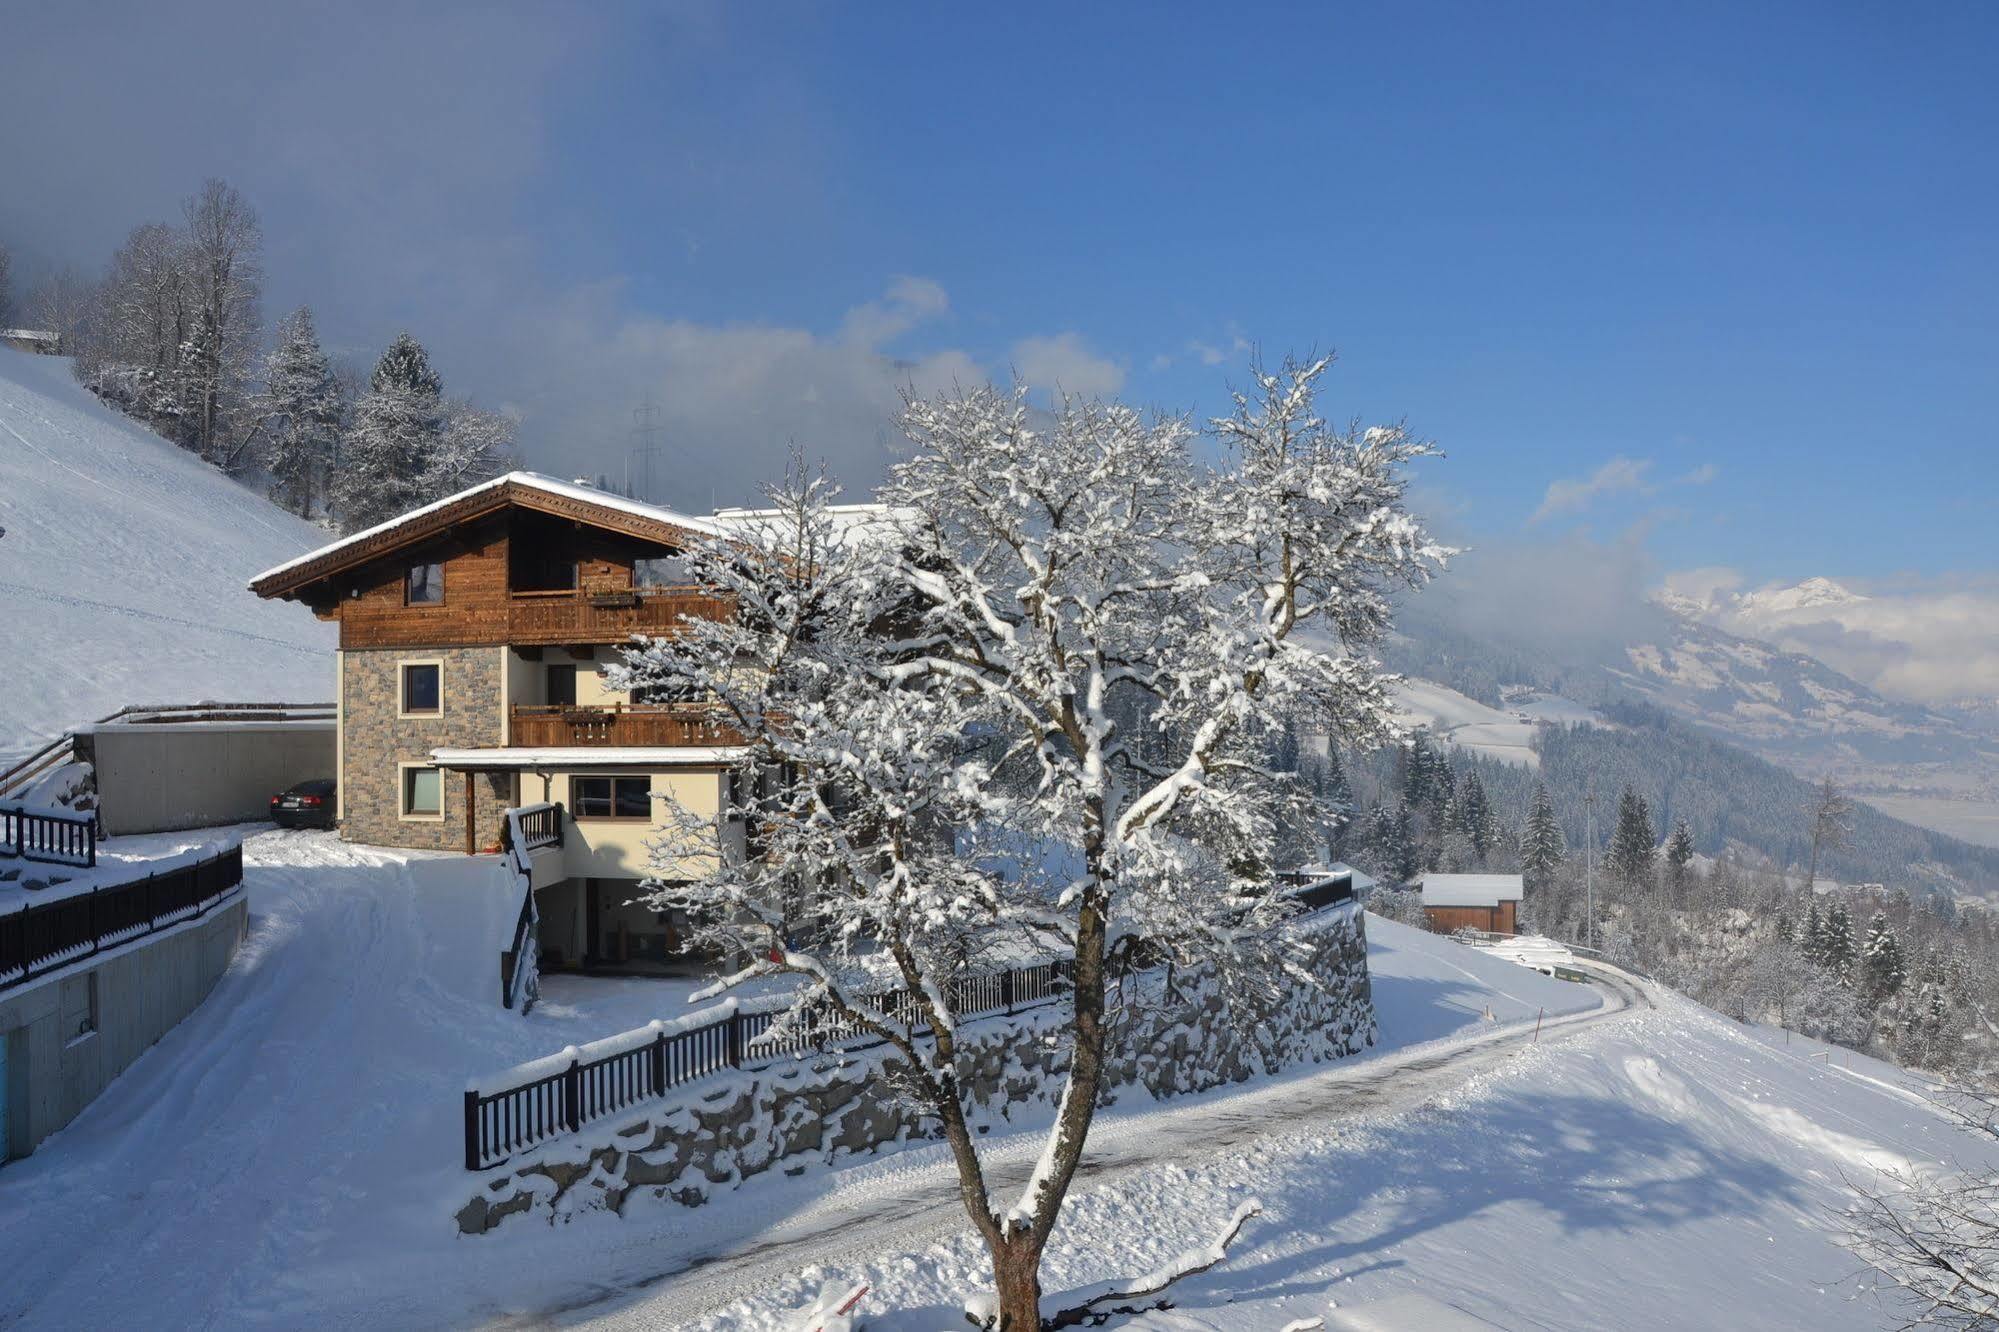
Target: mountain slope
point(122, 569)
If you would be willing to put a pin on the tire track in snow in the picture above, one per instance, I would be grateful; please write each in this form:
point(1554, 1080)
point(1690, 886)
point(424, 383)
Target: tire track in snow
point(909, 1208)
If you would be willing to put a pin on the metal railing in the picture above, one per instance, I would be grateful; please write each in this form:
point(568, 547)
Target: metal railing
point(47, 935)
point(53, 836)
point(558, 1096)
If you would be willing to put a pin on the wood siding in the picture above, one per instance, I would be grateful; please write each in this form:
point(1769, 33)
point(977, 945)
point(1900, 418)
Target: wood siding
point(637, 724)
point(1494, 919)
point(480, 609)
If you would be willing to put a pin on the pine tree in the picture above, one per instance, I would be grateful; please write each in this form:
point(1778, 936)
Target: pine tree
point(1475, 818)
point(1634, 843)
point(1338, 798)
point(1400, 854)
point(386, 464)
point(1542, 846)
point(1416, 772)
point(1881, 960)
point(1679, 853)
point(1839, 947)
point(302, 411)
point(1811, 942)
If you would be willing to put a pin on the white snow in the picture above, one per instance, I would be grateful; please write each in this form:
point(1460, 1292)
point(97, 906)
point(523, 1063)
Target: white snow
point(1506, 735)
point(122, 566)
point(290, 1156)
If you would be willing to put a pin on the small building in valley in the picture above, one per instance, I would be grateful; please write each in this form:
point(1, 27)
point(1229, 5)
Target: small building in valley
point(1489, 902)
point(32, 340)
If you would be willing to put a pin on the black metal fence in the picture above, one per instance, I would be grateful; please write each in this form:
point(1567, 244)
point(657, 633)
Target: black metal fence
point(56, 837)
point(562, 1100)
point(48, 935)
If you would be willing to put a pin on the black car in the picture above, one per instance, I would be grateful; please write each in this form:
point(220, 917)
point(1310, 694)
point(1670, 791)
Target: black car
point(307, 805)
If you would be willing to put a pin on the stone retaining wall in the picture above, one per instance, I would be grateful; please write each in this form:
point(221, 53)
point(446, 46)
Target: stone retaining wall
point(804, 1113)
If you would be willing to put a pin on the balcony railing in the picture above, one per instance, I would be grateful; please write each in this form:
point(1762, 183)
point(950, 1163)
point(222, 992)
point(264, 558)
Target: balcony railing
point(651, 724)
point(607, 615)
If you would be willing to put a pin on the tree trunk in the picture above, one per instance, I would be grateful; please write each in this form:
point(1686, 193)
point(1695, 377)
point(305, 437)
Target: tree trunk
point(1017, 1269)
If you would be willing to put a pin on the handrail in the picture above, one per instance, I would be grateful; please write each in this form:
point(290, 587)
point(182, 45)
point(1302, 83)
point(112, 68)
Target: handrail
point(53, 836)
point(525, 830)
point(45, 935)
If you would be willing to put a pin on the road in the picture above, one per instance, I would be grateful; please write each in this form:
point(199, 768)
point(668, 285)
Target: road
point(914, 1202)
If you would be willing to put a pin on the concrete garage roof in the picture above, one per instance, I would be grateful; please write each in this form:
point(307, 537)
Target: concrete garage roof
point(1470, 890)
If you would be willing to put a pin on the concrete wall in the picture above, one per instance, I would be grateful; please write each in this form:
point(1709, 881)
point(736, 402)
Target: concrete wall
point(136, 993)
point(167, 776)
point(723, 1130)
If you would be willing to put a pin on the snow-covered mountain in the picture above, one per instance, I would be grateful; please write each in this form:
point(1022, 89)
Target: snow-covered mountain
point(123, 561)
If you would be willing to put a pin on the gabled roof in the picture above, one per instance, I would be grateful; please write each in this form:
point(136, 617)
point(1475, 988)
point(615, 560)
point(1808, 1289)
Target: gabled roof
point(1470, 890)
point(525, 490)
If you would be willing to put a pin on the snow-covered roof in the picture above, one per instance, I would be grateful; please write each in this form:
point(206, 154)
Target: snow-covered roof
point(600, 756)
point(1472, 890)
point(849, 520)
point(29, 335)
point(511, 481)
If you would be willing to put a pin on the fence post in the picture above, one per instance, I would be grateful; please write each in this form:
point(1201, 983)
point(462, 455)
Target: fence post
point(735, 1040)
point(659, 1064)
point(572, 1094)
point(96, 935)
point(558, 823)
point(1007, 990)
point(471, 1130)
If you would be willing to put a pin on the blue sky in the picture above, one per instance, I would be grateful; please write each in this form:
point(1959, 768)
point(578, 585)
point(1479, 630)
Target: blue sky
point(1723, 275)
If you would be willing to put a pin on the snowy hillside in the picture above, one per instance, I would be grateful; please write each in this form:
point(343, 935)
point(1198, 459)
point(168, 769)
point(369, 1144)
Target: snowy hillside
point(122, 569)
point(1506, 734)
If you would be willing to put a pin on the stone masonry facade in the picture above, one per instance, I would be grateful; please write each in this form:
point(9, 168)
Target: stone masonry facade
point(376, 741)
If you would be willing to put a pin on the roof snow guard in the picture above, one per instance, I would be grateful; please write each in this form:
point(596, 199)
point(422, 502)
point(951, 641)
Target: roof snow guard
point(526, 490)
point(1470, 890)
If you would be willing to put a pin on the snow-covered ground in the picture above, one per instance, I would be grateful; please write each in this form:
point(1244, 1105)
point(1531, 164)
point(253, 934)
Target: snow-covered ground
point(1506, 735)
point(123, 564)
point(289, 1156)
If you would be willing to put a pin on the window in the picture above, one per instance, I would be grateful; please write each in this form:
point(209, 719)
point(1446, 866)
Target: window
point(422, 689)
point(662, 571)
point(425, 586)
point(611, 797)
point(423, 793)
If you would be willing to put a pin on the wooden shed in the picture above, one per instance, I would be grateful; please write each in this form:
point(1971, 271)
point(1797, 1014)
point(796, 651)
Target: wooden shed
point(1487, 902)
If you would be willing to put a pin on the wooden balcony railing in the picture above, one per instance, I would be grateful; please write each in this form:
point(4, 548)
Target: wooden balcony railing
point(670, 724)
point(605, 616)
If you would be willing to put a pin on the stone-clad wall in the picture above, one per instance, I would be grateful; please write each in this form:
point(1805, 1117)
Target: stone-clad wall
point(375, 740)
point(795, 1114)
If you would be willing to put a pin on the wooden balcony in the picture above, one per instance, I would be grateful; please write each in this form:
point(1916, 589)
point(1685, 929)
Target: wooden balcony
point(647, 724)
point(605, 616)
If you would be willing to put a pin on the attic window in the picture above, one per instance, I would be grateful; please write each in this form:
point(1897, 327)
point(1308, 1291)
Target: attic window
point(426, 585)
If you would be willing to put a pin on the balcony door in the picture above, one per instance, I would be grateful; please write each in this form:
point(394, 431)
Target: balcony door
point(562, 685)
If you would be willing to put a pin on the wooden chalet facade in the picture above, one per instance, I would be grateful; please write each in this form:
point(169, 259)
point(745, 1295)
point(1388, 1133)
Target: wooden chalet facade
point(474, 638)
point(1488, 902)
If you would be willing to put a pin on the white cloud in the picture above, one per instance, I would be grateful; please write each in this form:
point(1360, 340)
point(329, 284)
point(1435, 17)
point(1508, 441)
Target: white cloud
point(1570, 495)
point(909, 301)
point(1065, 363)
point(1701, 475)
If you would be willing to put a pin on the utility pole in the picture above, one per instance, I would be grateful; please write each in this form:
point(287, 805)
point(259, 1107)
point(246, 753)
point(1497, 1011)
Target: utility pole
point(645, 434)
point(1589, 861)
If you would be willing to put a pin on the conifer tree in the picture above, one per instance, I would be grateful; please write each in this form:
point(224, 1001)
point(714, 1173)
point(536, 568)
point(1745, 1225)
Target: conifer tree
point(1338, 795)
point(302, 411)
point(1881, 959)
point(1542, 846)
point(390, 450)
point(1679, 853)
point(1634, 843)
point(1811, 942)
point(1838, 946)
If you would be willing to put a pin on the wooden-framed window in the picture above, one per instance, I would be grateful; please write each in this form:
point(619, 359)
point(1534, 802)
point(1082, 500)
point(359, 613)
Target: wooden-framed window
point(424, 585)
point(611, 798)
point(422, 791)
point(420, 688)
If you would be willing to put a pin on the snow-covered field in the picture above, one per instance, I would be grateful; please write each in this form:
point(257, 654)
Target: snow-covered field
point(288, 1156)
point(122, 569)
point(1504, 734)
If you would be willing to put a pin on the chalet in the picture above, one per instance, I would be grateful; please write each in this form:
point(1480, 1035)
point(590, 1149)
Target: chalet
point(1488, 902)
point(474, 638)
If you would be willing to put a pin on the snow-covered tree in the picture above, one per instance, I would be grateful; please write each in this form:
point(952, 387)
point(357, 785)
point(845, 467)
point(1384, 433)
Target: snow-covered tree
point(937, 766)
point(1543, 848)
point(1679, 854)
point(302, 410)
point(224, 256)
point(1881, 971)
point(1838, 949)
point(387, 458)
point(62, 303)
point(476, 446)
point(6, 288)
point(1831, 820)
point(1634, 842)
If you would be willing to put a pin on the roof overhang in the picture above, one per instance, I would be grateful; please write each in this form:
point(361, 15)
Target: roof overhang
point(519, 490)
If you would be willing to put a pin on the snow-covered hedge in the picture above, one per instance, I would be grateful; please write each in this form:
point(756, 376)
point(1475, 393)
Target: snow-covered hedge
point(1176, 1036)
